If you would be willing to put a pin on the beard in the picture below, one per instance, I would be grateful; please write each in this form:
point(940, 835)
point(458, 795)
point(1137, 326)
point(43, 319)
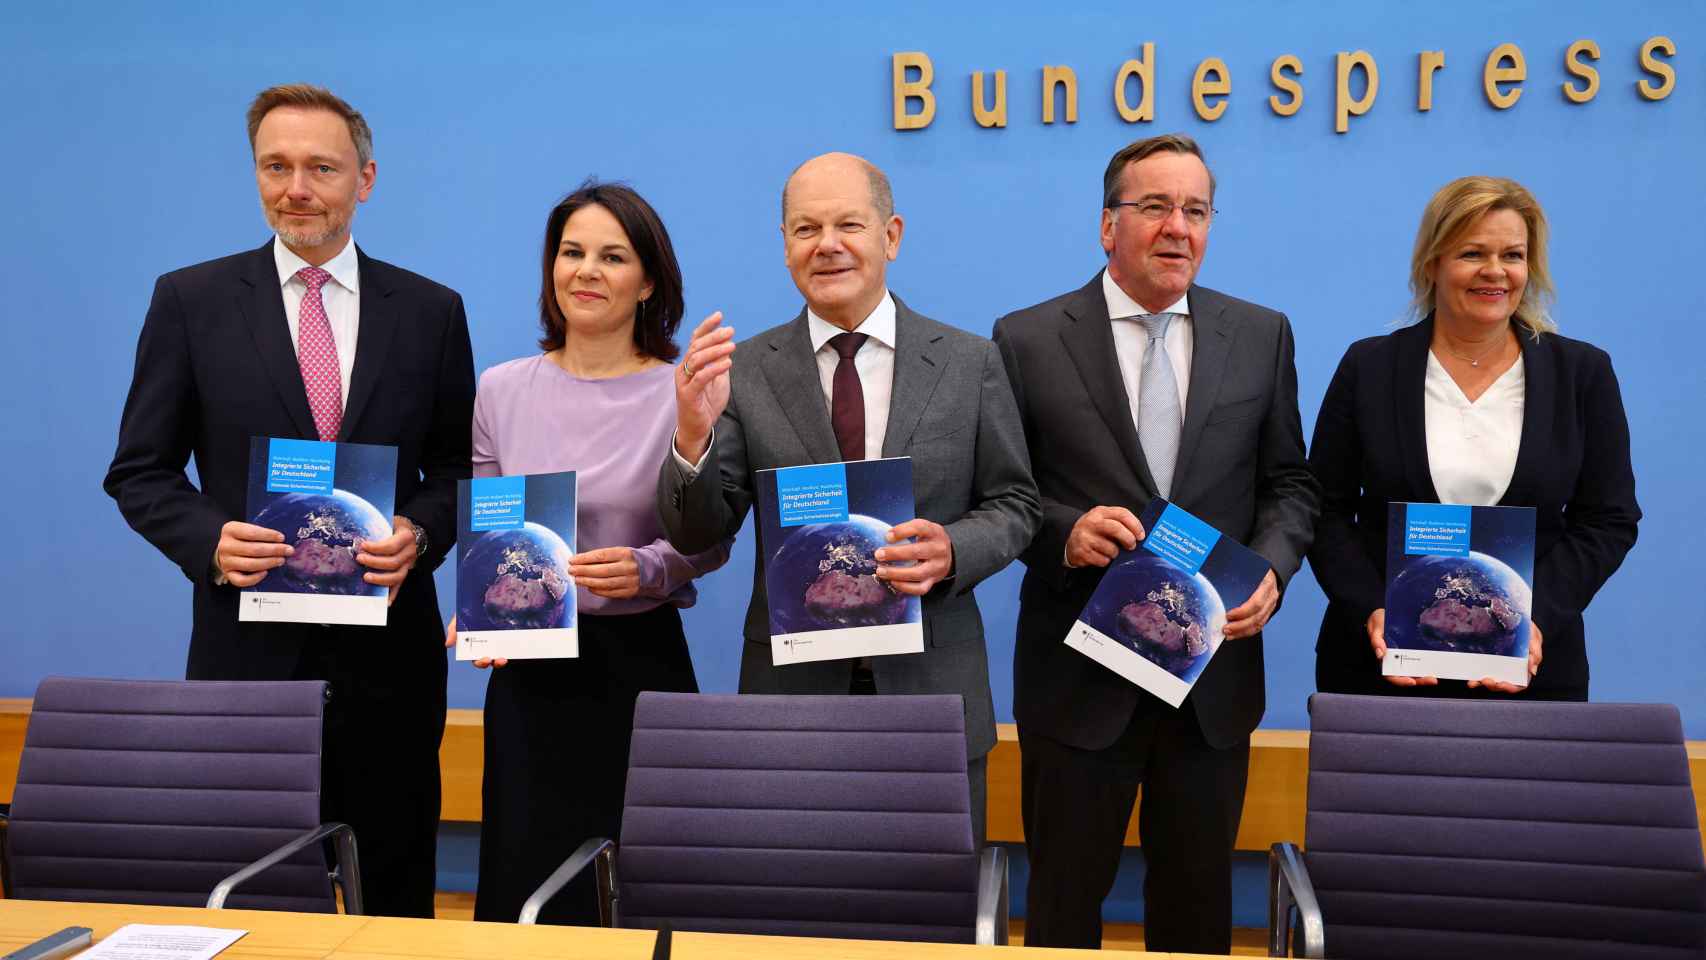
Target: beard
point(334, 228)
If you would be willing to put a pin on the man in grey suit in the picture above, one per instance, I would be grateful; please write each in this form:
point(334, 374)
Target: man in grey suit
point(1142, 384)
point(858, 375)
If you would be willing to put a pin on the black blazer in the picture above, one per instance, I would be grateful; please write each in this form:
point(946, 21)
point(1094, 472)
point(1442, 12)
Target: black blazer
point(1240, 467)
point(1572, 466)
point(215, 366)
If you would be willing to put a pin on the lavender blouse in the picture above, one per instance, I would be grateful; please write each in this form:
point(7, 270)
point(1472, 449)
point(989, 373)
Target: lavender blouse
point(532, 416)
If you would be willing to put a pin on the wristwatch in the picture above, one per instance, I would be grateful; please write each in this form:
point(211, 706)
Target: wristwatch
point(420, 538)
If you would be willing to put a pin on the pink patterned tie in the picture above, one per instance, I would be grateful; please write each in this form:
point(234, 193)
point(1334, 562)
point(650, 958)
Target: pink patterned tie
point(317, 355)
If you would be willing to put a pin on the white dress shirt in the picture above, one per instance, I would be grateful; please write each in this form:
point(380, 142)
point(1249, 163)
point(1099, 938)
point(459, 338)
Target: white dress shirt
point(1131, 346)
point(874, 362)
point(1472, 446)
point(341, 296)
point(1131, 342)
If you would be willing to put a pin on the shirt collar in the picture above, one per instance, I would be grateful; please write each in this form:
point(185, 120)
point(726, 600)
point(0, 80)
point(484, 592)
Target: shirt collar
point(1122, 307)
point(344, 268)
point(879, 325)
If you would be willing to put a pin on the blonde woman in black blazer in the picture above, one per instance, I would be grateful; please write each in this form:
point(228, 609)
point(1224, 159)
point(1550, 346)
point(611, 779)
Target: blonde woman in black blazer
point(1480, 280)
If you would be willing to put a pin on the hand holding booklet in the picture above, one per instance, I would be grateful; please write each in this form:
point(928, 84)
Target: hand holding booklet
point(515, 598)
point(326, 498)
point(1459, 591)
point(819, 527)
point(1158, 616)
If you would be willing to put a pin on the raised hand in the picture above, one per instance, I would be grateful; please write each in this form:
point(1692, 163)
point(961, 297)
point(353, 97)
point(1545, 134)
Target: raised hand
point(702, 386)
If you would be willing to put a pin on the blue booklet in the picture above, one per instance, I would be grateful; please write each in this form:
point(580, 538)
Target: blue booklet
point(1159, 613)
point(514, 596)
point(326, 498)
point(1459, 591)
point(819, 527)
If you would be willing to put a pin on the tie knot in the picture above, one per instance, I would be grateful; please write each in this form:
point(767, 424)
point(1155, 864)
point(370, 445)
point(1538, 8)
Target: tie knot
point(1155, 324)
point(848, 344)
point(313, 277)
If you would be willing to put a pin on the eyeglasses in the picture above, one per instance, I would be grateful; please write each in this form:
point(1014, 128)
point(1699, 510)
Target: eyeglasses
point(1196, 214)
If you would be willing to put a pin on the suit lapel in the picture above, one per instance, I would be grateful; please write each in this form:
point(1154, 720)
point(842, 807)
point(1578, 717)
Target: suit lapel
point(1211, 344)
point(374, 330)
point(262, 306)
point(1540, 378)
point(1089, 341)
point(1409, 395)
point(791, 370)
point(918, 364)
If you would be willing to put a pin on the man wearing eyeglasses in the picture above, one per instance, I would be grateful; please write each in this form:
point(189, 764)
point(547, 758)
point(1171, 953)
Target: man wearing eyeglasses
point(1142, 384)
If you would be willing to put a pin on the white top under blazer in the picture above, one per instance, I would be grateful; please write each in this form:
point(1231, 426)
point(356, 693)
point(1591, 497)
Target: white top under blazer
point(1472, 446)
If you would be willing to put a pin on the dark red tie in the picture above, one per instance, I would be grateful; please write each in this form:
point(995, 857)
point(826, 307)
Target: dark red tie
point(847, 398)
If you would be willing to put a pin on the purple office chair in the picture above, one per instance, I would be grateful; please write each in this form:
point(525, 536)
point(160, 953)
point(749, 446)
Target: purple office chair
point(174, 793)
point(803, 816)
point(1493, 828)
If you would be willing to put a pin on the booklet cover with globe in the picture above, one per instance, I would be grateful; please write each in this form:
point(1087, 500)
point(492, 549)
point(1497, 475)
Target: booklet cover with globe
point(1459, 591)
point(325, 498)
point(1157, 616)
point(514, 596)
point(819, 527)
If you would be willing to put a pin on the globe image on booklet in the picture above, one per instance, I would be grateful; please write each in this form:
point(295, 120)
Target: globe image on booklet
point(1169, 617)
point(824, 577)
point(1468, 604)
point(323, 530)
point(515, 580)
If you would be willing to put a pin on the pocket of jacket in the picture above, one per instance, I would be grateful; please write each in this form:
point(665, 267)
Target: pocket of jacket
point(1236, 410)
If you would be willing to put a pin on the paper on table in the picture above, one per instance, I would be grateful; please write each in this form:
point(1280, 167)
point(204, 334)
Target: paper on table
point(147, 941)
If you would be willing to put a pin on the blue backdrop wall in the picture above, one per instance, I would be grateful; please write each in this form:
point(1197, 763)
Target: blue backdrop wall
point(126, 157)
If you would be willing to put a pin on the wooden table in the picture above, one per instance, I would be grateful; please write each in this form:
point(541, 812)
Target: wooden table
point(306, 936)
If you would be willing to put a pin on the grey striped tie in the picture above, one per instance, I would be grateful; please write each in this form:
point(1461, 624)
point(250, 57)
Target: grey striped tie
point(1158, 416)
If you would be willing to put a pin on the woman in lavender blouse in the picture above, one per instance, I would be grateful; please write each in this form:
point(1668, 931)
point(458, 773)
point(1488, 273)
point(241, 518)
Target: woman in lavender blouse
point(600, 401)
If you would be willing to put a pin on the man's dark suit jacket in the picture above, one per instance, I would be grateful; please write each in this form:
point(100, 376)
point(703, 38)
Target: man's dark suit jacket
point(214, 367)
point(951, 411)
point(1572, 466)
point(1240, 467)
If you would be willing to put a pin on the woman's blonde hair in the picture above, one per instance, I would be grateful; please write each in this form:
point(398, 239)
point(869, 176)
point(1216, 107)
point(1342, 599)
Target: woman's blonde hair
point(1452, 211)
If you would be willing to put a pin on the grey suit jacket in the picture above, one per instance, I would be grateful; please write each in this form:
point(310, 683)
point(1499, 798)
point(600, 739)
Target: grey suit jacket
point(953, 413)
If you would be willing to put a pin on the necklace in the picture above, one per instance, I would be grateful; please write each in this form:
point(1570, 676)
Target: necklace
point(1474, 361)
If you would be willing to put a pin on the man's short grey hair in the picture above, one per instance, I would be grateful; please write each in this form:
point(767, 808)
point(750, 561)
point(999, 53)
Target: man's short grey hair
point(882, 195)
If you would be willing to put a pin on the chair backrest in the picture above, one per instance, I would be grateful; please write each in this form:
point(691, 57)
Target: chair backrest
point(1503, 829)
point(154, 791)
point(800, 815)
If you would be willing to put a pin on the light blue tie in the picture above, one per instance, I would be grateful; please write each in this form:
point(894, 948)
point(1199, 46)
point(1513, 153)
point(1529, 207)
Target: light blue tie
point(1158, 416)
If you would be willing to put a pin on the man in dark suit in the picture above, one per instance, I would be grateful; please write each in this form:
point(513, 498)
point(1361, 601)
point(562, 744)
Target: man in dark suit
point(308, 337)
point(1187, 394)
point(858, 375)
